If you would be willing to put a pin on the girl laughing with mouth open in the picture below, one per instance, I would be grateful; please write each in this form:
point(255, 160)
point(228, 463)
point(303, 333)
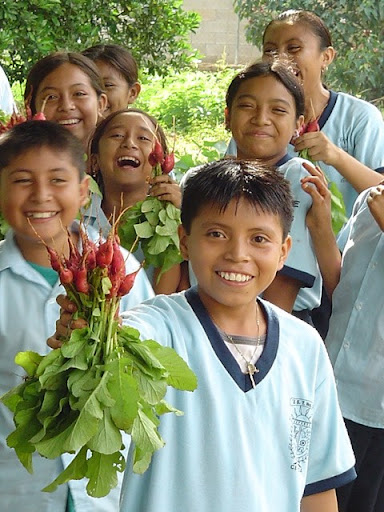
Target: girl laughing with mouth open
point(119, 152)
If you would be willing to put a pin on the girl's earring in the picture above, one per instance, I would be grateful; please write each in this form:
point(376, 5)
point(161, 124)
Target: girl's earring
point(94, 171)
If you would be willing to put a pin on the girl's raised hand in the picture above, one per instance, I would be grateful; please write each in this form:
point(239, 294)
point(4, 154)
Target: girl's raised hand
point(375, 202)
point(320, 148)
point(316, 186)
point(165, 188)
point(319, 222)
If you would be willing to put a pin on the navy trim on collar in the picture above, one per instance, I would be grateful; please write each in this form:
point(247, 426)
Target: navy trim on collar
point(328, 109)
point(283, 160)
point(268, 356)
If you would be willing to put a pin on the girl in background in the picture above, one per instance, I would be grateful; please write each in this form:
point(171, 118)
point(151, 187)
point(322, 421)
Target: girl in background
point(348, 125)
point(68, 88)
point(119, 72)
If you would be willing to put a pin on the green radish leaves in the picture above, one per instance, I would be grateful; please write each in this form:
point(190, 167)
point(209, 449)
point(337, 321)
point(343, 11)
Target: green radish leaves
point(67, 407)
point(155, 224)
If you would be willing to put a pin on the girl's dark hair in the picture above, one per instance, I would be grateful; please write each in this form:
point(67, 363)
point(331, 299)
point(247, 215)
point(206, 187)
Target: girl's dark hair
point(102, 126)
point(281, 70)
point(217, 183)
point(37, 134)
point(313, 22)
point(46, 65)
point(117, 57)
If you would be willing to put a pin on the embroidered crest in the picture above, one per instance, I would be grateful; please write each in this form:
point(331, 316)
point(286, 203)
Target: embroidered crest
point(301, 423)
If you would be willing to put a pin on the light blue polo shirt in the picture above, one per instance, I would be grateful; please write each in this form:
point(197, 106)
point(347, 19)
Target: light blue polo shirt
point(239, 448)
point(355, 340)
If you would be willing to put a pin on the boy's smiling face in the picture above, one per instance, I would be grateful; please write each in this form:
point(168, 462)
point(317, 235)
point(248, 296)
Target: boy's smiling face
point(40, 192)
point(234, 254)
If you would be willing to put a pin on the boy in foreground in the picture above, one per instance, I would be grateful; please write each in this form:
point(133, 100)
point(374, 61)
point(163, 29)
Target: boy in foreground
point(42, 187)
point(263, 431)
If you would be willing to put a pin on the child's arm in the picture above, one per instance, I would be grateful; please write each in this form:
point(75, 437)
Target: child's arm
point(165, 188)
point(319, 223)
point(282, 292)
point(168, 282)
point(375, 203)
point(322, 149)
point(321, 502)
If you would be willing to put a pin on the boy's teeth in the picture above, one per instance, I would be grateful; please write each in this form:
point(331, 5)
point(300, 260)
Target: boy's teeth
point(41, 215)
point(68, 121)
point(231, 276)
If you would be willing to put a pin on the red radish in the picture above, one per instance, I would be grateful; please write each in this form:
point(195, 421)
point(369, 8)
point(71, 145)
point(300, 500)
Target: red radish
point(80, 280)
point(74, 259)
point(127, 283)
point(168, 163)
point(55, 259)
point(157, 154)
point(66, 276)
point(39, 117)
point(118, 263)
point(312, 126)
point(104, 253)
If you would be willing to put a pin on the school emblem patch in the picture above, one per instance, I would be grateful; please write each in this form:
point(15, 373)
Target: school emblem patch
point(300, 435)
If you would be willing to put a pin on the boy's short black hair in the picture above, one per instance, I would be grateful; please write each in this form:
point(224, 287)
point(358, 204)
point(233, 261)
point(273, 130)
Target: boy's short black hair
point(37, 134)
point(217, 183)
point(281, 70)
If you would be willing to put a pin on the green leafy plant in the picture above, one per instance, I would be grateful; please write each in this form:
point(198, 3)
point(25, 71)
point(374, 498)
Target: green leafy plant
point(102, 381)
point(154, 222)
point(156, 32)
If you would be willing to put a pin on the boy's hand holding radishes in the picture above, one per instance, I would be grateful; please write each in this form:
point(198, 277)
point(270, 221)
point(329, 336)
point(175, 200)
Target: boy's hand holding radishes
point(66, 322)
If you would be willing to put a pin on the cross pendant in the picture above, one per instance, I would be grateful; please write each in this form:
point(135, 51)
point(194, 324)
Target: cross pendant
point(251, 370)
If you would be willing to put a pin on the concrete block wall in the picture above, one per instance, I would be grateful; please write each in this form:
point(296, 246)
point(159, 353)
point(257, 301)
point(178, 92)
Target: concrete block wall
point(220, 33)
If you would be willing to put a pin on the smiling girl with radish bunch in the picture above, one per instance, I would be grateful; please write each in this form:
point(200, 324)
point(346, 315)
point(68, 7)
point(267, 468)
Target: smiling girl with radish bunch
point(125, 149)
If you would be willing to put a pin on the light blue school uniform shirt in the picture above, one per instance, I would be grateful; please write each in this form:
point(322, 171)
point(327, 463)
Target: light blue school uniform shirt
point(238, 448)
point(355, 340)
point(28, 314)
point(355, 126)
point(301, 263)
point(94, 216)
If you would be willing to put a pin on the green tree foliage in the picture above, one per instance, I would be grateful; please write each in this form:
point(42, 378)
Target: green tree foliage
point(357, 29)
point(155, 31)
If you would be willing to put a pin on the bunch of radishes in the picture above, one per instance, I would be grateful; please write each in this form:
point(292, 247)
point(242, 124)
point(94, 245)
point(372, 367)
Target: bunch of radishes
point(162, 164)
point(83, 272)
point(19, 118)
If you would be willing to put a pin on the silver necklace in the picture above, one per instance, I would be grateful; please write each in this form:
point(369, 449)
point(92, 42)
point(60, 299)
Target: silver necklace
point(251, 368)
